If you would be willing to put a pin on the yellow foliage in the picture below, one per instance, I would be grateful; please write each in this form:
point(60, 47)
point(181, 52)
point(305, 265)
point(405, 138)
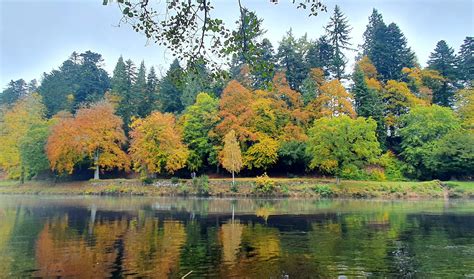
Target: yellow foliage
point(230, 156)
point(366, 66)
point(14, 124)
point(333, 100)
point(465, 106)
point(156, 144)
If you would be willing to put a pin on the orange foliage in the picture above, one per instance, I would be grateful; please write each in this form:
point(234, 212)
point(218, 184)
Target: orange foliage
point(366, 66)
point(283, 91)
point(94, 130)
point(333, 100)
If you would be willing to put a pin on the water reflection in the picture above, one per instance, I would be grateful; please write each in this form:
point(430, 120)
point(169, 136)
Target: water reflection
point(171, 237)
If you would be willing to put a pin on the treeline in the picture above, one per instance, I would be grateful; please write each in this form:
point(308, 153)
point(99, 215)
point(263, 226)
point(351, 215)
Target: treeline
point(291, 111)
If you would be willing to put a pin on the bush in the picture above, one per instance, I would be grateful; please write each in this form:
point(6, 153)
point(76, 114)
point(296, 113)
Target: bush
point(174, 180)
point(201, 185)
point(264, 184)
point(324, 191)
point(147, 180)
point(393, 167)
point(234, 188)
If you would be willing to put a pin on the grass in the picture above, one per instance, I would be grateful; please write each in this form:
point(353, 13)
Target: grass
point(284, 187)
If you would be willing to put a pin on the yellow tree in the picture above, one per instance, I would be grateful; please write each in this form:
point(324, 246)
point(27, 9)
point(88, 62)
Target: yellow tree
point(95, 132)
point(230, 156)
point(398, 100)
point(333, 100)
point(14, 126)
point(465, 106)
point(157, 145)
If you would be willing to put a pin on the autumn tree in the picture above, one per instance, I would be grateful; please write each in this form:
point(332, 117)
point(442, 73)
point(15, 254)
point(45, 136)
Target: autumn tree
point(311, 85)
point(16, 124)
point(94, 133)
point(156, 145)
point(398, 100)
point(199, 121)
point(230, 156)
point(424, 83)
point(338, 145)
point(333, 100)
point(464, 100)
point(262, 154)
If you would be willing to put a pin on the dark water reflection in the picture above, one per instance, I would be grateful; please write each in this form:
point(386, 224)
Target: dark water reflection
point(170, 237)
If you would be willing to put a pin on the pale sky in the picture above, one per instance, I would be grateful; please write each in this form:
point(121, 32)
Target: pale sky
point(36, 36)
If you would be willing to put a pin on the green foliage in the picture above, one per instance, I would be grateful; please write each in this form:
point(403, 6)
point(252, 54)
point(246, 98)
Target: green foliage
point(199, 120)
point(171, 89)
point(323, 191)
point(338, 30)
point(292, 155)
point(386, 46)
point(465, 61)
point(421, 128)
point(443, 60)
point(79, 79)
point(201, 185)
point(341, 143)
point(393, 167)
point(32, 153)
point(174, 180)
point(290, 56)
point(452, 155)
point(264, 184)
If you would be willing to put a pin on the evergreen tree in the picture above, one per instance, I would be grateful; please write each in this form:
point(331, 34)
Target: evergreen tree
point(122, 88)
point(292, 61)
point(338, 30)
point(171, 89)
point(386, 46)
point(368, 103)
point(80, 79)
point(443, 60)
point(15, 90)
point(320, 55)
point(196, 80)
point(465, 61)
point(152, 86)
point(140, 91)
point(371, 32)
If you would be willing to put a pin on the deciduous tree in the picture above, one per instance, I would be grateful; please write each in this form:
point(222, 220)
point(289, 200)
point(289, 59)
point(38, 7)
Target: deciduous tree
point(230, 156)
point(156, 144)
point(95, 133)
point(339, 143)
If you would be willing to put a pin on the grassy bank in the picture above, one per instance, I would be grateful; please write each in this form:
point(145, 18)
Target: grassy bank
point(297, 187)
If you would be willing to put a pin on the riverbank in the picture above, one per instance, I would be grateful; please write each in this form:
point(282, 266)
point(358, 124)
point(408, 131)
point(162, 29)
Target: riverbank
point(245, 187)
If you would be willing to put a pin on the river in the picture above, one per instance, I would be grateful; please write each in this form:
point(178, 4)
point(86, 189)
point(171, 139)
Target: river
point(96, 237)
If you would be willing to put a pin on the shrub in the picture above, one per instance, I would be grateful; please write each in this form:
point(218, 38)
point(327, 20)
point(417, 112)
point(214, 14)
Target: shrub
point(264, 184)
point(234, 188)
point(174, 180)
point(201, 184)
point(147, 180)
point(324, 191)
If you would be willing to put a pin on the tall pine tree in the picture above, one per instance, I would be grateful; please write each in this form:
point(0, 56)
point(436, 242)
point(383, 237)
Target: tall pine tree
point(171, 89)
point(338, 30)
point(291, 60)
point(465, 61)
point(443, 60)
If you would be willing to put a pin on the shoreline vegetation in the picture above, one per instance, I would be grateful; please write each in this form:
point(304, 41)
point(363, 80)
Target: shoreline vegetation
point(248, 187)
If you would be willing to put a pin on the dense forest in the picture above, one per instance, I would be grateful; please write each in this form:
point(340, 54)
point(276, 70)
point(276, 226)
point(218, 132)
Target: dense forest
point(293, 109)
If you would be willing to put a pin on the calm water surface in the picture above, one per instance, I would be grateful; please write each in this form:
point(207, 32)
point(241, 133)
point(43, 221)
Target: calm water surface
point(246, 238)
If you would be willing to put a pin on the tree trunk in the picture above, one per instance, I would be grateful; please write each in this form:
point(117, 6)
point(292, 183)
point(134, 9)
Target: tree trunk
point(96, 163)
point(233, 179)
point(338, 180)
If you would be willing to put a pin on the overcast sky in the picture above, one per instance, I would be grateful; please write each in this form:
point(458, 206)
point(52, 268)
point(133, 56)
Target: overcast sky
point(36, 36)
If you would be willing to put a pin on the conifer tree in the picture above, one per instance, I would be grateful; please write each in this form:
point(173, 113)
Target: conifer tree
point(291, 60)
point(443, 60)
point(171, 89)
point(465, 61)
point(338, 30)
